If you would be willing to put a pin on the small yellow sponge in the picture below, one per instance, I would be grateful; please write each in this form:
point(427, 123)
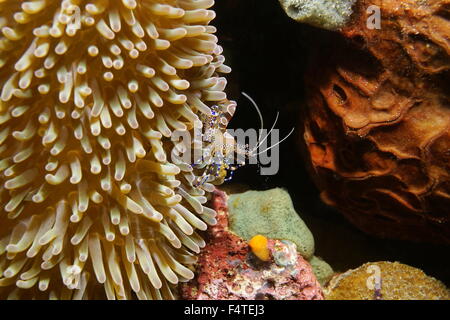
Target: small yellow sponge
point(259, 246)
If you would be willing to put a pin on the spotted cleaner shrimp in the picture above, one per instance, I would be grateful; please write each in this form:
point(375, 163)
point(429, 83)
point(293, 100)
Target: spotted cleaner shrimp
point(217, 160)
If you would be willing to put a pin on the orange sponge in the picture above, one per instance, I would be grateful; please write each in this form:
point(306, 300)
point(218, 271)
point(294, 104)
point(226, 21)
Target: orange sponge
point(259, 246)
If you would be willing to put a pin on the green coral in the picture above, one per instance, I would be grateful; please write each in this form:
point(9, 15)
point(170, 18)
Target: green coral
point(321, 269)
point(271, 214)
point(326, 14)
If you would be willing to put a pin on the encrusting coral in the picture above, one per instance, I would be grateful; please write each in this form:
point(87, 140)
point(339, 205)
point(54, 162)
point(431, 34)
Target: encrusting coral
point(327, 14)
point(91, 92)
point(271, 214)
point(322, 270)
point(385, 281)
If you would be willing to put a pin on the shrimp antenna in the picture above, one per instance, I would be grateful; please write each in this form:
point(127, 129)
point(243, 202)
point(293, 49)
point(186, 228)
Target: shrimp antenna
point(262, 128)
point(276, 144)
point(257, 109)
point(267, 135)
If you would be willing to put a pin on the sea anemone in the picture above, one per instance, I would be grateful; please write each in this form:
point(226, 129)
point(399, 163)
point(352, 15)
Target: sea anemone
point(91, 93)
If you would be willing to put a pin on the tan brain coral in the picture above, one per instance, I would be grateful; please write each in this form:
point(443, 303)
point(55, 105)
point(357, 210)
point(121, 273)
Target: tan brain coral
point(385, 281)
point(93, 190)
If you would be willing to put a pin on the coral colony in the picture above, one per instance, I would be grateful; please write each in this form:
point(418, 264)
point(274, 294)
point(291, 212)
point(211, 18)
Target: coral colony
point(326, 14)
point(90, 199)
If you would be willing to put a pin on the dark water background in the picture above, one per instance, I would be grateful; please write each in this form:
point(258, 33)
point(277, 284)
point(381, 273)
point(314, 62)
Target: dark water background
point(269, 54)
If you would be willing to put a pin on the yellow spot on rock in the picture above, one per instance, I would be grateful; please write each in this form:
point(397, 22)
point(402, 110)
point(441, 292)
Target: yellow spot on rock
point(259, 246)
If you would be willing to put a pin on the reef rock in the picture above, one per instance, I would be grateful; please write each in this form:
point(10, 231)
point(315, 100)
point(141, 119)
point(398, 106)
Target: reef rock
point(385, 281)
point(377, 126)
point(271, 213)
point(227, 268)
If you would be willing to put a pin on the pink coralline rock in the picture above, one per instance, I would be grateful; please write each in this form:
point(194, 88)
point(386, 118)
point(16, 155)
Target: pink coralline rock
point(228, 270)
